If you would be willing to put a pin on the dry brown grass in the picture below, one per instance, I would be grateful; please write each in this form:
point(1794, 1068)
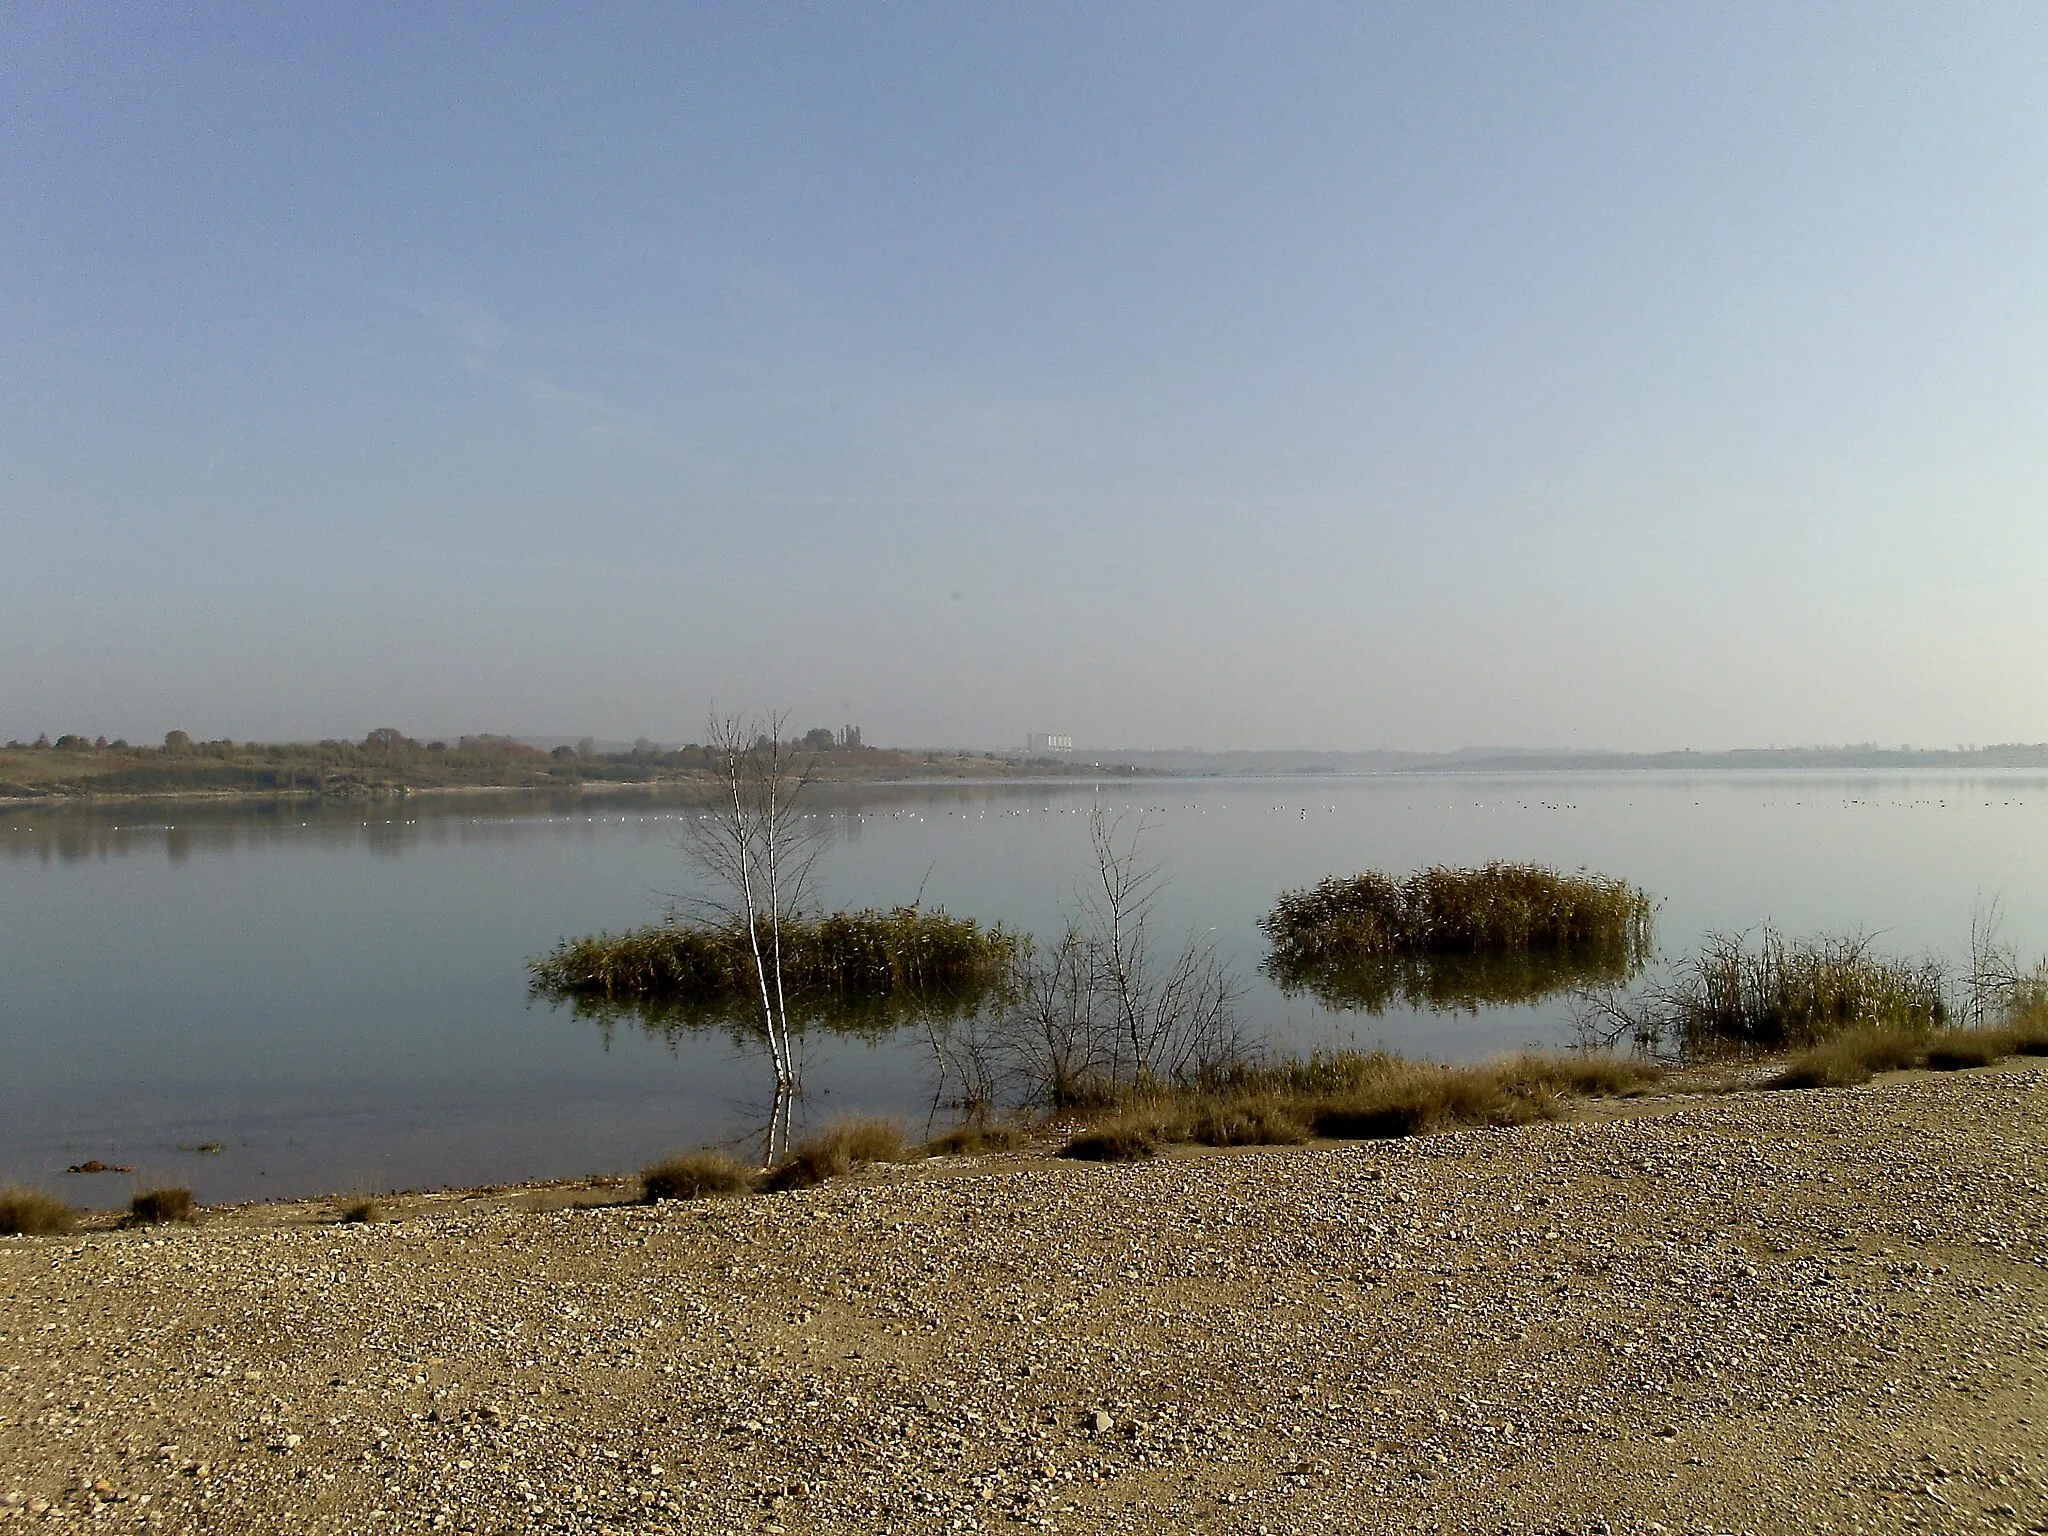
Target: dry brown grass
point(839, 1150)
point(1119, 1141)
point(694, 1176)
point(158, 1205)
point(30, 1212)
point(1349, 1097)
point(1858, 1055)
point(976, 1139)
point(358, 1212)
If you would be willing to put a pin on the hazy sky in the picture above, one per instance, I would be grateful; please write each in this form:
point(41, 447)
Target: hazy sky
point(1270, 375)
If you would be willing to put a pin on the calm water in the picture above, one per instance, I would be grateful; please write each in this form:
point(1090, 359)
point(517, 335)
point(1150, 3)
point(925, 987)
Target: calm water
point(335, 996)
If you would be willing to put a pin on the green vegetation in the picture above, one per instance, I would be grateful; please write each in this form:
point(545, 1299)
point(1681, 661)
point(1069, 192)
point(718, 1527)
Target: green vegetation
point(1768, 993)
point(30, 1212)
point(1499, 908)
point(906, 952)
point(387, 762)
point(157, 1205)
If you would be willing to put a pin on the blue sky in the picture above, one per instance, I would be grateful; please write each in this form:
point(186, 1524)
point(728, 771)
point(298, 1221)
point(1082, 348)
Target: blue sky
point(1228, 376)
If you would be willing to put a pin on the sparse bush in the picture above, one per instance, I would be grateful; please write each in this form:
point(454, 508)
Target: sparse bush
point(694, 1176)
point(159, 1205)
point(30, 1212)
point(1500, 907)
point(360, 1212)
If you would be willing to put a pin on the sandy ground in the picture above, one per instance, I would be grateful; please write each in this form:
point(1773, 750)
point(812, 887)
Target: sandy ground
point(1761, 1313)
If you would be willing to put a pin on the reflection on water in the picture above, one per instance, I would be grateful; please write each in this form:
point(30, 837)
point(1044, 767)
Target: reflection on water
point(336, 993)
point(873, 1019)
point(1454, 983)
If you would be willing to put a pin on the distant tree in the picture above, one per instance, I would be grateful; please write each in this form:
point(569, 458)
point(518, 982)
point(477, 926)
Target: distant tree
point(818, 739)
point(849, 737)
point(563, 754)
point(587, 747)
point(387, 738)
point(99, 744)
point(71, 743)
point(42, 742)
point(177, 742)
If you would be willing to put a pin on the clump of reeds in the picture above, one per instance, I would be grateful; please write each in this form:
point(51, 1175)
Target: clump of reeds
point(839, 1149)
point(1499, 907)
point(693, 1176)
point(159, 1205)
point(864, 954)
point(31, 1213)
point(1768, 993)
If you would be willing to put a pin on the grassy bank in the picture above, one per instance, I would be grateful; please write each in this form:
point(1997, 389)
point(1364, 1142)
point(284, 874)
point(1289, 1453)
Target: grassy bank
point(864, 954)
point(1497, 908)
point(387, 762)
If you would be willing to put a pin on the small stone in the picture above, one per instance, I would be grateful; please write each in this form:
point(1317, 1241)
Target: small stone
point(1101, 1422)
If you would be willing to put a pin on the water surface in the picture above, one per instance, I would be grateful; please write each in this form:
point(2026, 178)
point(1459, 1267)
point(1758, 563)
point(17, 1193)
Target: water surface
point(335, 995)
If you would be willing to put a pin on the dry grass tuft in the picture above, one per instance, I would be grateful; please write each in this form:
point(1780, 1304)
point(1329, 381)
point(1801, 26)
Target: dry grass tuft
point(974, 1139)
point(694, 1176)
point(156, 1205)
point(1954, 1050)
point(31, 1213)
point(360, 1212)
point(1118, 1142)
point(839, 1150)
point(1852, 1057)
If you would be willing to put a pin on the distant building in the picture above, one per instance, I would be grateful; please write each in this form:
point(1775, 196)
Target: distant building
point(1041, 743)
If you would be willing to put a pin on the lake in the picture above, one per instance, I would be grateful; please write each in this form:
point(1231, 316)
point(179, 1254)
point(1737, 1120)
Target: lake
point(334, 995)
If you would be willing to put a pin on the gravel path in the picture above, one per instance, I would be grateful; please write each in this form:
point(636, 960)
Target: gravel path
point(1762, 1313)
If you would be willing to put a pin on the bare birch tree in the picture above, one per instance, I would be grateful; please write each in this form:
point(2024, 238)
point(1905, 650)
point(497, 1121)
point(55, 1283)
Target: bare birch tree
point(759, 849)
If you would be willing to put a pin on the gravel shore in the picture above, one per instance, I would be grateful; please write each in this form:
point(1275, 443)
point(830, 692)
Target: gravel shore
point(1787, 1312)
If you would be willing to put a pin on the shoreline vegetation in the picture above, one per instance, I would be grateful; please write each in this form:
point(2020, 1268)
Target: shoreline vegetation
point(387, 762)
point(1336, 1099)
